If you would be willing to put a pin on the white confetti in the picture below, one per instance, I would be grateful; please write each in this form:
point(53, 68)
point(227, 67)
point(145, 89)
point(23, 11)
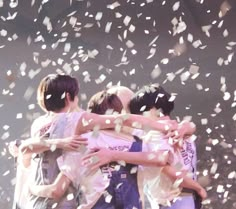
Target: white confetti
point(155, 72)
point(47, 23)
point(226, 96)
point(204, 121)
point(98, 16)
point(184, 76)
point(129, 44)
point(127, 20)
point(214, 168)
point(225, 33)
point(131, 28)
point(108, 27)
point(134, 169)
point(152, 53)
point(165, 61)
point(73, 21)
point(190, 37)
point(232, 175)
point(220, 61)
point(113, 5)
point(153, 41)
point(108, 198)
point(101, 78)
point(70, 196)
point(230, 56)
point(19, 115)
point(5, 135)
point(194, 69)
point(220, 189)
point(3, 33)
point(6, 173)
point(196, 43)
point(176, 6)
point(67, 47)
point(170, 76)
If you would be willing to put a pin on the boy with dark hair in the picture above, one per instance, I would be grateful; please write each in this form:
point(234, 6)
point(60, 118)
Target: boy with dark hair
point(155, 101)
point(149, 97)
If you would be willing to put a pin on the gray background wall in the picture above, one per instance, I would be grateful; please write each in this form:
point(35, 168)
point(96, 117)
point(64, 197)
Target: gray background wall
point(24, 60)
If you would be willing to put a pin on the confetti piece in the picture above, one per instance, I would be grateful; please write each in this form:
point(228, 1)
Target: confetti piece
point(98, 16)
point(108, 198)
point(184, 76)
point(176, 6)
point(47, 23)
point(214, 168)
point(6, 173)
point(134, 170)
point(155, 72)
point(224, 8)
point(165, 61)
point(220, 189)
point(108, 27)
point(127, 20)
point(113, 5)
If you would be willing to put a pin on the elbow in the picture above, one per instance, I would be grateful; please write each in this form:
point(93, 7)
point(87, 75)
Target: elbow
point(25, 148)
point(56, 194)
point(22, 149)
point(160, 163)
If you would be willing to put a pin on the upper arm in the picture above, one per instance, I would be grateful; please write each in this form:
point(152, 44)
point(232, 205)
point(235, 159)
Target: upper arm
point(88, 121)
point(60, 185)
point(55, 190)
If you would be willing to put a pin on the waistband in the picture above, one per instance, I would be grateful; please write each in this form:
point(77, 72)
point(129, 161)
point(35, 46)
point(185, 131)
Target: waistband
point(187, 192)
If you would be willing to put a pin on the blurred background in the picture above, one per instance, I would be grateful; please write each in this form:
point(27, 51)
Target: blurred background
point(187, 46)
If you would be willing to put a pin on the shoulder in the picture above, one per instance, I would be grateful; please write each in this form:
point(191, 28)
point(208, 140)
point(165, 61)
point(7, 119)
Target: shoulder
point(39, 123)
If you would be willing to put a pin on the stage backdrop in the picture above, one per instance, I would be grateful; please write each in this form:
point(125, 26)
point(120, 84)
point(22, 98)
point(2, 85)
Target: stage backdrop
point(188, 46)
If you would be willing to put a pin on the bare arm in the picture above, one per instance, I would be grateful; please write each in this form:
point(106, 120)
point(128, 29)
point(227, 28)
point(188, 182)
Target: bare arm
point(186, 129)
point(185, 181)
point(39, 145)
point(90, 120)
point(54, 191)
point(103, 156)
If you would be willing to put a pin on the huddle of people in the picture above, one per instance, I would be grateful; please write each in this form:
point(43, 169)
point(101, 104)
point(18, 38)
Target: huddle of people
point(123, 152)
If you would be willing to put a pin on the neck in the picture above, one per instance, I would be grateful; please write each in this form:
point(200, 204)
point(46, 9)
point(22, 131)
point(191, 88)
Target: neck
point(63, 110)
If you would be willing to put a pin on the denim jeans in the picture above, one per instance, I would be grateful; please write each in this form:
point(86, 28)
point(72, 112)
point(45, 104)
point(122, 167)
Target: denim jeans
point(122, 192)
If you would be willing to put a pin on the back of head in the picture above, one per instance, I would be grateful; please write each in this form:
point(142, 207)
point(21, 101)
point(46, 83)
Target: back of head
point(52, 91)
point(151, 96)
point(105, 103)
point(124, 94)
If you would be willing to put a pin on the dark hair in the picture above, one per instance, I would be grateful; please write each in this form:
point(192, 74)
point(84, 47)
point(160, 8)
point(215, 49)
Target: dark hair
point(52, 91)
point(102, 101)
point(151, 96)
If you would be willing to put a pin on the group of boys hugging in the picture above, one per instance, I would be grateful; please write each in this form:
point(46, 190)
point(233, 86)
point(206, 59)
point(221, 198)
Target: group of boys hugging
point(123, 152)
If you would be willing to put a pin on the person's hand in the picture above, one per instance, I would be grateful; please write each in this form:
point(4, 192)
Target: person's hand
point(13, 149)
point(185, 129)
point(202, 193)
point(97, 157)
point(172, 125)
point(72, 143)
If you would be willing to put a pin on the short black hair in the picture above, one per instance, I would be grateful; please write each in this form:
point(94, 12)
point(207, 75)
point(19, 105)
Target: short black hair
point(52, 89)
point(151, 96)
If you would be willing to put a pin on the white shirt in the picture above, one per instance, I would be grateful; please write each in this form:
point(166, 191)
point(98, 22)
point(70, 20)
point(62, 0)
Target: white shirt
point(157, 186)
